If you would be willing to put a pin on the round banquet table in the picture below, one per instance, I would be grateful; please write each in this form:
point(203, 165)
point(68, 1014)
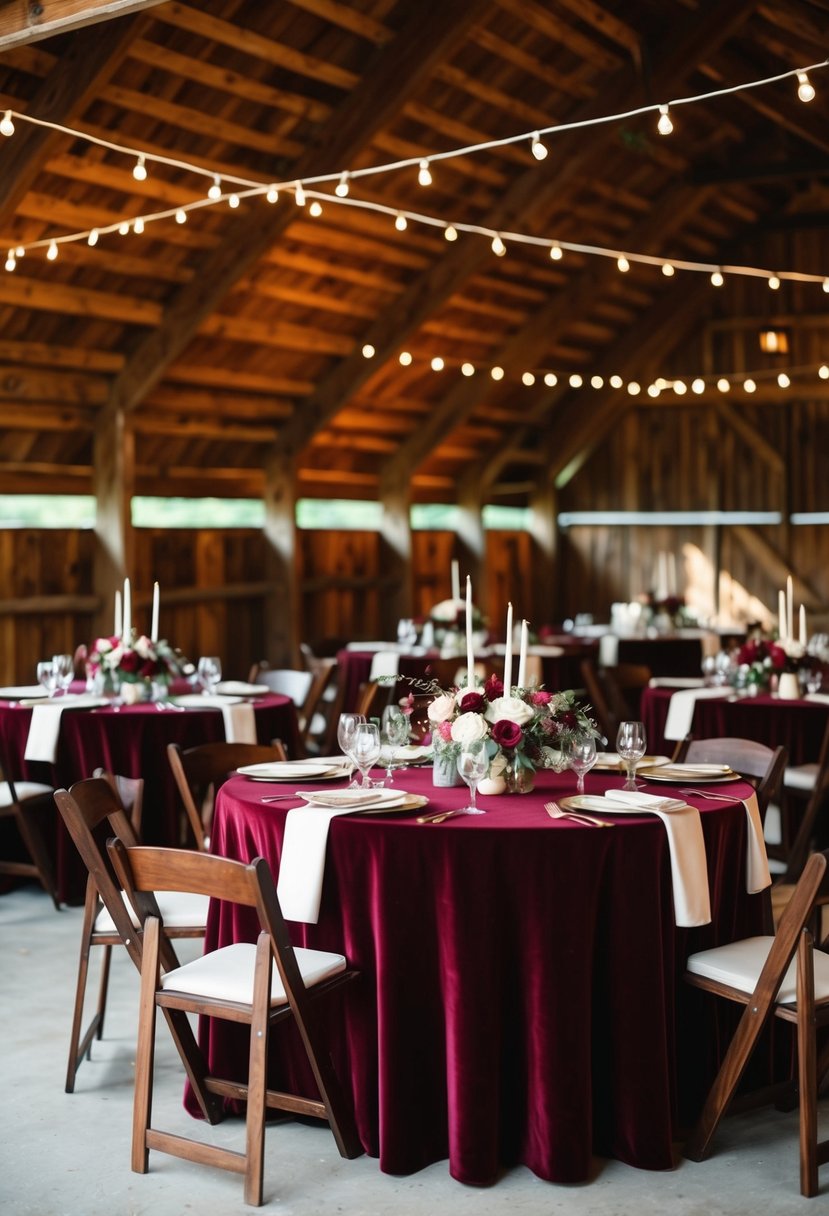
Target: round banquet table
point(799, 725)
point(521, 997)
point(132, 742)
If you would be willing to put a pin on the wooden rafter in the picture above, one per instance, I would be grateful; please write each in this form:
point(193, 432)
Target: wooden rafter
point(22, 22)
point(394, 74)
point(537, 188)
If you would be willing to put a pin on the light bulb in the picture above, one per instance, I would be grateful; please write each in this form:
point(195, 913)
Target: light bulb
point(596, 382)
point(723, 385)
point(634, 388)
point(823, 372)
point(664, 126)
point(576, 380)
point(774, 283)
point(805, 88)
point(233, 201)
point(400, 222)
point(273, 195)
point(140, 170)
point(528, 378)
point(341, 188)
point(215, 190)
point(825, 284)
point(783, 380)
point(498, 246)
point(124, 227)
point(556, 253)
point(538, 149)
point(437, 364)
point(138, 226)
point(550, 379)
point(181, 216)
point(368, 351)
point(668, 270)
point(450, 232)
point(92, 239)
point(10, 260)
point(315, 209)
point(405, 358)
point(698, 385)
point(653, 390)
point(680, 388)
point(616, 381)
point(749, 385)
point(6, 125)
point(20, 251)
point(623, 264)
point(497, 373)
point(52, 251)
point(299, 195)
point(468, 369)
point(716, 279)
point(424, 175)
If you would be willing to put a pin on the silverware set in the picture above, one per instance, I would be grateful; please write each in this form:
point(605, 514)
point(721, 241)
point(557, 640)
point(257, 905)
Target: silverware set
point(588, 821)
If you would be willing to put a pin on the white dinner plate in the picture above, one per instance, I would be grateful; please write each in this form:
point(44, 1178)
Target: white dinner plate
point(595, 802)
point(355, 800)
point(32, 692)
point(238, 688)
point(688, 774)
point(611, 762)
point(287, 770)
point(196, 700)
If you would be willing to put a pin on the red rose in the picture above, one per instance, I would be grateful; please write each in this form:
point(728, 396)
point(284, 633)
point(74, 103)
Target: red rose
point(472, 703)
point(130, 661)
point(494, 688)
point(541, 697)
point(444, 729)
point(507, 734)
point(778, 657)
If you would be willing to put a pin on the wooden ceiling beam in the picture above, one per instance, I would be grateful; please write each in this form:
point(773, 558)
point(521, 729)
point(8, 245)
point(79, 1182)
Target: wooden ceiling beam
point(27, 384)
point(44, 354)
point(43, 295)
point(22, 22)
point(392, 76)
point(87, 63)
point(22, 415)
point(694, 38)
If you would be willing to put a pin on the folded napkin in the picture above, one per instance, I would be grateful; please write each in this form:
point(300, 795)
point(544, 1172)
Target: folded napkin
point(384, 663)
point(676, 682)
point(820, 698)
point(686, 845)
point(608, 650)
point(44, 729)
point(757, 862)
point(240, 723)
point(682, 706)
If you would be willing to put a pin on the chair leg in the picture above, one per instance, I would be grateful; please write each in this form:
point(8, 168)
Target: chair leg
point(725, 1083)
point(33, 840)
point(807, 1065)
point(145, 1051)
point(257, 1074)
point(339, 1111)
point(78, 1049)
point(103, 989)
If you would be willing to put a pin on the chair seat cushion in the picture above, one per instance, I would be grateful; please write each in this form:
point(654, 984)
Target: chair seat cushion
point(227, 974)
point(24, 790)
point(739, 965)
point(800, 777)
point(179, 910)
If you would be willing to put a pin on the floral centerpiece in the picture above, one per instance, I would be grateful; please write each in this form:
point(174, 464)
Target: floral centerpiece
point(666, 610)
point(524, 731)
point(448, 621)
point(758, 660)
point(113, 662)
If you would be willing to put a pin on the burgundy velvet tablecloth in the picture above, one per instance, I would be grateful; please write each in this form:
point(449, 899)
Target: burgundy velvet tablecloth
point(799, 725)
point(520, 998)
point(133, 742)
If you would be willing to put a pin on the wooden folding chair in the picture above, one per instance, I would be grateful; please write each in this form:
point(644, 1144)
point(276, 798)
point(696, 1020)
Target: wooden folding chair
point(614, 693)
point(199, 771)
point(758, 973)
point(763, 766)
point(24, 801)
point(107, 920)
point(372, 699)
point(259, 985)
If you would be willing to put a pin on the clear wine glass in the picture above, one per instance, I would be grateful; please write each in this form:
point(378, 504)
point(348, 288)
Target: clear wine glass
point(814, 679)
point(210, 672)
point(631, 744)
point(581, 756)
point(346, 727)
point(47, 676)
point(394, 733)
point(64, 666)
point(473, 764)
point(365, 748)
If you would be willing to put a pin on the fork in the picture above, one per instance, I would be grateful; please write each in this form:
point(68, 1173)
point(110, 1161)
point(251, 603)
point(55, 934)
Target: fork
point(713, 797)
point(555, 812)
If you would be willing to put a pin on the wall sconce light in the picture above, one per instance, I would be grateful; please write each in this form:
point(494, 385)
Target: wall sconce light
point(774, 341)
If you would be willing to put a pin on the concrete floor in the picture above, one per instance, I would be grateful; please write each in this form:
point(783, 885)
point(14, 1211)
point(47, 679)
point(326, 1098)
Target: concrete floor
point(68, 1154)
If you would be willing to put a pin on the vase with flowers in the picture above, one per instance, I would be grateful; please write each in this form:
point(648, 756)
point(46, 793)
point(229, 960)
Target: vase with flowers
point(135, 666)
point(758, 660)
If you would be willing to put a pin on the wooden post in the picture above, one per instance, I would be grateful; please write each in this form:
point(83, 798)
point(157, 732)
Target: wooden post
point(396, 556)
point(282, 604)
point(113, 478)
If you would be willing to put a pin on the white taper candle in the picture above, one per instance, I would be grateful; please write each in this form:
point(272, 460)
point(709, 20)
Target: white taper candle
point(508, 654)
point(154, 625)
point(522, 657)
point(127, 625)
point(789, 609)
point(781, 615)
point(470, 657)
point(116, 625)
point(456, 582)
point(803, 637)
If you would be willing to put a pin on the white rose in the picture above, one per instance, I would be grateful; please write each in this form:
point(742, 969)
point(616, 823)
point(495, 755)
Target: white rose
point(143, 647)
point(469, 727)
point(103, 646)
point(446, 610)
point(442, 708)
point(510, 709)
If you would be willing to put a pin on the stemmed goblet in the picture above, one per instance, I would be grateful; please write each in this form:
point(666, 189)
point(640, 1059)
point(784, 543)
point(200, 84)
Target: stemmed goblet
point(346, 727)
point(472, 763)
point(581, 755)
point(47, 677)
point(394, 734)
point(630, 744)
point(365, 748)
point(210, 672)
point(64, 668)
